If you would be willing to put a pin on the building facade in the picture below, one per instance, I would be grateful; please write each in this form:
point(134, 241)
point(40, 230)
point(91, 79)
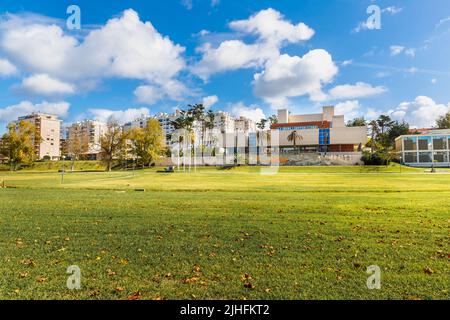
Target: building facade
point(318, 133)
point(430, 148)
point(83, 139)
point(48, 127)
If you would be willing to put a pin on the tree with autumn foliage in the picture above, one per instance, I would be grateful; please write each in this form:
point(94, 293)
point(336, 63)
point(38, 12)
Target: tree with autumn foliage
point(147, 143)
point(19, 143)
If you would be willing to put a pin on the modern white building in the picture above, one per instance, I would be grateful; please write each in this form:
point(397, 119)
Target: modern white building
point(48, 127)
point(430, 148)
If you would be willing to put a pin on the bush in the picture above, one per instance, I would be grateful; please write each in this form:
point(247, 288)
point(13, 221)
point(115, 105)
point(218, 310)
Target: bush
point(374, 159)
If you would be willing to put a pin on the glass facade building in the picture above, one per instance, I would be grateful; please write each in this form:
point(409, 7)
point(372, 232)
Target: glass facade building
point(426, 150)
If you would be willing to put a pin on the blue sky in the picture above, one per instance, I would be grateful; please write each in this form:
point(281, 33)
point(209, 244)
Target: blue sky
point(246, 57)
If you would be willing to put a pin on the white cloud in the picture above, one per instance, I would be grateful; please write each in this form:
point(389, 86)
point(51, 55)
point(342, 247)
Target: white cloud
point(187, 4)
point(392, 10)
point(358, 90)
point(209, 101)
point(121, 116)
point(215, 3)
point(347, 63)
point(232, 55)
point(11, 113)
point(396, 50)
point(350, 109)
point(252, 112)
point(293, 76)
point(434, 81)
point(270, 26)
point(420, 113)
point(43, 84)
point(148, 94)
point(7, 68)
point(271, 30)
point(125, 47)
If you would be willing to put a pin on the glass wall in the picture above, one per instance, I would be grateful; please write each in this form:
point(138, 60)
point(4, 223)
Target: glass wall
point(425, 157)
point(425, 143)
point(440, 157)
point(410, 143)
point(410, 157)
point(439, 143)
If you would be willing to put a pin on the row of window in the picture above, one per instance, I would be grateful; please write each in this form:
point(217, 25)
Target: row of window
point(425, 157)
point(298, 128)
point(426, 143)
point(324, 137)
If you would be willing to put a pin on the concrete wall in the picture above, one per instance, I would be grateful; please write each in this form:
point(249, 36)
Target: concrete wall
point(348, 135)
point(310, 137)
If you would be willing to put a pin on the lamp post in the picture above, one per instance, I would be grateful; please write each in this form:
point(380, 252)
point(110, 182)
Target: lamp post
point(63, 169)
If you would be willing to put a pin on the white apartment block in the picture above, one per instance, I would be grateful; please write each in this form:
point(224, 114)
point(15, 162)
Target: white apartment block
point(49, 128)
point(85, 136)
point(243, 124)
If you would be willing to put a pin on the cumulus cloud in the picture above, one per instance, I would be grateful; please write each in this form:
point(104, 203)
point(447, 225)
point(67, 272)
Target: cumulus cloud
point(350, 109)
point(292, 76)
point(232, 55)
point(43, 84)
point(209, 101)
point(12, 112)
point(172, 89)
point(358, 90)
point(420, 113)
point(250, 112)
point(7, 68)
point(270, 26)
point(125, 47)
point(270, 30)
point(121, 116)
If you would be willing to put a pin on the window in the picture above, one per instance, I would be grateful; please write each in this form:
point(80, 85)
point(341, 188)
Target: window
point(324, 137)
point(440, 157)
point(424, 143)
point(410, 157)
point(410, 143)
point(439, 143)
point(425, 157)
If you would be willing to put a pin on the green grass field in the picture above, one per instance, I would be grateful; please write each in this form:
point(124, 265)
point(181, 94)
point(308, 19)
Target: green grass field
point(304, 233)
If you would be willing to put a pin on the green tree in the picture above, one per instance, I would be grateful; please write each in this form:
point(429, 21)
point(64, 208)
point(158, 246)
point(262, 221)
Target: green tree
point(293, 137)
point(147, 143)
point(112, 143)
point(357, 122)
point(443, 122)
point(384, 123)
point(19, 143)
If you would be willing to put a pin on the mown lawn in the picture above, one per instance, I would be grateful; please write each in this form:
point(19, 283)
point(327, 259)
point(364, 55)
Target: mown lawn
point(305, 233)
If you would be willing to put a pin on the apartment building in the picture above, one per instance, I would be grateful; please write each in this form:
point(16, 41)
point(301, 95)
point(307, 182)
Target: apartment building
point(325, 132)
point(48, 127)
point(429, 148)
point(243, 124)
point(83, 139)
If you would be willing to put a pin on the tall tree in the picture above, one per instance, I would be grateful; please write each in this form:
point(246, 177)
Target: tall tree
point(147, 143)
point(76, 147)
point(443, 122)
point(293, 137)
point(19, 143)
point(357, 122)
point(384, 122)
point(112, 143)
point(374, 132)
point(273, 119)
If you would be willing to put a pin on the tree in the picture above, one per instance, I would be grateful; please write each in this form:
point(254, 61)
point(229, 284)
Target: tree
point(112, 143)
point(273, 119)
point(443, 122)
point(147, 143)
point(293, 137)
point(374, 132)
point(77, 146)
point(357, 122)
point(384, 122)
point(19, 143)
